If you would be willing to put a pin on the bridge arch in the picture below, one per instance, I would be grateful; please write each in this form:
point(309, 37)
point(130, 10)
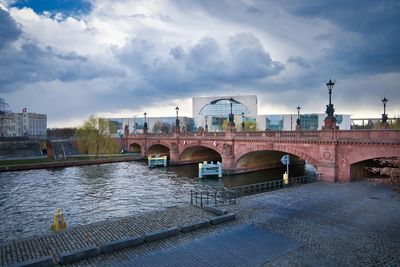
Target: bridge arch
point(283, 150)
point(135, 148)
point(373, 153)
point(358, 161)
point(197, 152)
point(160, 148)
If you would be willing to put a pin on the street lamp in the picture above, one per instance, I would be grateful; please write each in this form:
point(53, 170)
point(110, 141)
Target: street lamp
point(384, 123)
point(145, 129)
point(177, 120)
point(298, 125)
point(231, 123)
point(243, 125)
point(330, 120)
point(330, 85)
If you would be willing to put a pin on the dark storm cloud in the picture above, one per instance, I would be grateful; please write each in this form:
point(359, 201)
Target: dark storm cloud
point(251, 59)
point(207, 64)
point(9, 31)
point(300, 61)
point(374, 24)
point(29, 63)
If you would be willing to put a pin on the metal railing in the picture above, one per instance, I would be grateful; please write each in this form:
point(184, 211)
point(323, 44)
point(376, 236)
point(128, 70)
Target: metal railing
point(215, 197)
point(250, 189)
point(229, 196)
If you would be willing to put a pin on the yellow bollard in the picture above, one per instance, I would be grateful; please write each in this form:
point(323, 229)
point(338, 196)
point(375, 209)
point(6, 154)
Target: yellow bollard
point(58, 222)
point(285, 178)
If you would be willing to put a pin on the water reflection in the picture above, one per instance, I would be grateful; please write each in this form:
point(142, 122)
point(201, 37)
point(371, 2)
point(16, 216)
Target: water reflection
point(87, 194)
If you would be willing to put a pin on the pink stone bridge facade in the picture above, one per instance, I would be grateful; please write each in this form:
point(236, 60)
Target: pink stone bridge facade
point(332, 153)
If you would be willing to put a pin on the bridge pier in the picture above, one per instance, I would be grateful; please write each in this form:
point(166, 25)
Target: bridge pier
point(228, 164)
point(329, 172)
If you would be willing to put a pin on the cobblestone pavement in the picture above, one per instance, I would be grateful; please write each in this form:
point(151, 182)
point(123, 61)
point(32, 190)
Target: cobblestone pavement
point(353, 224)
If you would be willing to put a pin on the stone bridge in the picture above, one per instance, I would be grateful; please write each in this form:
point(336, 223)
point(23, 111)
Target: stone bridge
point(335, 154)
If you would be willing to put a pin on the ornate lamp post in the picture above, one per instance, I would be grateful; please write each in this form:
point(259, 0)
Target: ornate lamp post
point(177, 128)
point(330, 120)
point(298, 125)
point(206, 126)
point(384, 123)
point(231, 123)
point(243, 125)
point(145, 129)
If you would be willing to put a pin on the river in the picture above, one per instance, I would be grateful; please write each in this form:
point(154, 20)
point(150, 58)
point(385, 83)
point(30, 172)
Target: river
point(87, 194)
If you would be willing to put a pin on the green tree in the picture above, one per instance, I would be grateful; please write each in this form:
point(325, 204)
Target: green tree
point(394, 124)
point(224, 125)
point(250, 126)
point(94, 137)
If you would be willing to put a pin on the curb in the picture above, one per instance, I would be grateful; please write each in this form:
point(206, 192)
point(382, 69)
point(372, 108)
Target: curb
point(121, 244)
point(45, 261)
point(161, 234)
point(194, 226)
point(223, 218)
point(215, 210)
point(78, 254)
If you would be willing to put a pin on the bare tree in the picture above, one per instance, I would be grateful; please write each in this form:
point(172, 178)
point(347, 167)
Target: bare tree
point(162, 127)
point(4, 116)
point(389, 168)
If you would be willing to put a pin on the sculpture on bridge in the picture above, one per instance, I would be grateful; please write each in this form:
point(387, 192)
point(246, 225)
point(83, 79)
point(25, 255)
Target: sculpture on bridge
point(227, 148)
point(126, 130)
point(174, 147)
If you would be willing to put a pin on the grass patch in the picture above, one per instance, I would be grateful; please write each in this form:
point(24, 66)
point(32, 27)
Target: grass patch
point(24, 161)
point(46, 160)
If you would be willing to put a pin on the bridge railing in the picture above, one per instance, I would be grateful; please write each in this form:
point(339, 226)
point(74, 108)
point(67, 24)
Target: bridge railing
point(372, 135)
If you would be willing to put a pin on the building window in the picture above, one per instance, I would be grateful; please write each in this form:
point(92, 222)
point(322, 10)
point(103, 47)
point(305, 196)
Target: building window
point(274, 122)
point(309, 122)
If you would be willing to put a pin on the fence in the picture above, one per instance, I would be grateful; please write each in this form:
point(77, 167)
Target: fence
point(216, 197)
point(244, 190)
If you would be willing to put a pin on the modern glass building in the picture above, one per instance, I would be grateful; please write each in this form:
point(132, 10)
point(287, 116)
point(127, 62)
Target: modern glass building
point(308, 122)
point(154, 124)
point(212, 112)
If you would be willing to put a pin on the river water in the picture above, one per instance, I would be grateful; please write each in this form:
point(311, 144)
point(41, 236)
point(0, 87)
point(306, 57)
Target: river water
point(87, 194)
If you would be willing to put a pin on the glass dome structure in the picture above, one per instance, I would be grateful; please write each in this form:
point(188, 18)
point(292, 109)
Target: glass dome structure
point(222, 108)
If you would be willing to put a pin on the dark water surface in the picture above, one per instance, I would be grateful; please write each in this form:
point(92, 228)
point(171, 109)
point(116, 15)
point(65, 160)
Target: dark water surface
point(87, 194)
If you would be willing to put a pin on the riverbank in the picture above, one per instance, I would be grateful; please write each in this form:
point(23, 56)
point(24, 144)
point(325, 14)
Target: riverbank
point(32, 164)
point(353, 224)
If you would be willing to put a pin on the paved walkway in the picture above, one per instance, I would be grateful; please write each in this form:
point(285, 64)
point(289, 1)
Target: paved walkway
point(256, 246)
point(320, 224)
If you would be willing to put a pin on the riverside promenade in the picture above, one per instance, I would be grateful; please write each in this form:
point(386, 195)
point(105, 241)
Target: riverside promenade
point(318, 224)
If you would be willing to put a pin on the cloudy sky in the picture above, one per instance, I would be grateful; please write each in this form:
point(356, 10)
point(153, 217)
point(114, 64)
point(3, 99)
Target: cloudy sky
point(119, 58)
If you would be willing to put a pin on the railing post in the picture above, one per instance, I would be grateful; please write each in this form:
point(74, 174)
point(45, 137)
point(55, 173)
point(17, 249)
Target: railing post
point(191, 197)
point(201, 199)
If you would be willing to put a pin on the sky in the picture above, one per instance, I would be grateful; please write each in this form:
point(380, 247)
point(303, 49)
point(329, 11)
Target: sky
point(70, 59)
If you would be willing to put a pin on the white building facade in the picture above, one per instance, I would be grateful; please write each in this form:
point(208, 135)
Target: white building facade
point(25, 124)
point(208, 115)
